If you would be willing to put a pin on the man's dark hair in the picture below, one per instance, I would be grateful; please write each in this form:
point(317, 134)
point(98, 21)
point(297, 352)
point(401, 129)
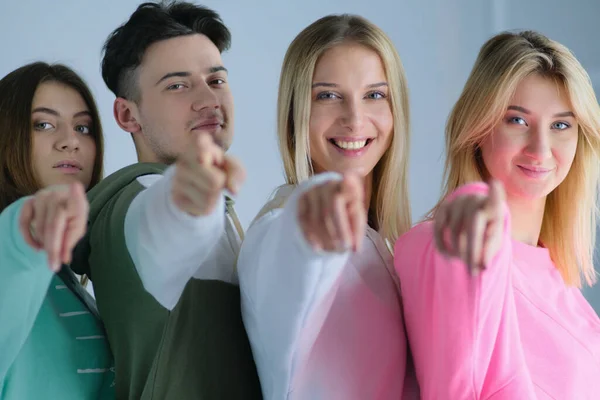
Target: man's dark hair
point(150, 23)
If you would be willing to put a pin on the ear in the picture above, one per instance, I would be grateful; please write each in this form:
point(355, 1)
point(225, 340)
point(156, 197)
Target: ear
point(125, 113)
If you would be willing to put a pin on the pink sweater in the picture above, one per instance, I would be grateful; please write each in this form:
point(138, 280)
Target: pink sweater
point(516, 331)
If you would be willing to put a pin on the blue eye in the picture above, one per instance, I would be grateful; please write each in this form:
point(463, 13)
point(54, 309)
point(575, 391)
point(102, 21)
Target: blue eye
point(517, 120)
point(376, 95)
point(326, 96)
point(560, 126)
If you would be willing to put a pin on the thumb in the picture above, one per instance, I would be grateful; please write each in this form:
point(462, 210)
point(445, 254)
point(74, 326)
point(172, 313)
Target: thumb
point(77, 201)
point(496, 196)
point(205, 150)
point(353, 184)
point(235, 172)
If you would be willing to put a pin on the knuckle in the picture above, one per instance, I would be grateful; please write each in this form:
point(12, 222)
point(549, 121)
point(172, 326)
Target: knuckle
point(203, 140)
point(337, 197)
point(215, 181)
point(303, 199)
point(52, 225)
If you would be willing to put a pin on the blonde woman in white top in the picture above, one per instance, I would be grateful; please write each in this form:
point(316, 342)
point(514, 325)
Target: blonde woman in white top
point(320, 298)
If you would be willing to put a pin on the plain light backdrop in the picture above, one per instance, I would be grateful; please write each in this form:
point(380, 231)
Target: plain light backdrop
point(437, 40)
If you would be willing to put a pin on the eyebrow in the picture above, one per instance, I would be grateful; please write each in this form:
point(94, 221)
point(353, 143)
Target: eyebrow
point(327, 84)
point(50, 111)
point(187, 74)
point(526, 111)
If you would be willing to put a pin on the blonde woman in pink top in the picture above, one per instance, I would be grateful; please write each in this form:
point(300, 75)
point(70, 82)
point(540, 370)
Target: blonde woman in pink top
point(490, 283)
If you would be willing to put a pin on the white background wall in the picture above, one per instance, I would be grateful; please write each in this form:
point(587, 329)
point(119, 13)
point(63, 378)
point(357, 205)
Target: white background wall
point(438, 41)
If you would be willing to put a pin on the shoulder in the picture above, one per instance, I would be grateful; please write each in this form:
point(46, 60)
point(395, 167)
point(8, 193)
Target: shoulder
point(417, 237)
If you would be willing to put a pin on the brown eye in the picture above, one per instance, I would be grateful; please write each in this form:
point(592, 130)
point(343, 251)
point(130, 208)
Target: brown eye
point(176, 86)
point(83, 129)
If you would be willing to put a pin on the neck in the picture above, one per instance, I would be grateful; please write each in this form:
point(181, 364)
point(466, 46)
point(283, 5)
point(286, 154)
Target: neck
point(368, 181)
point(146, 156)
point(145, 153)
point(526, 217)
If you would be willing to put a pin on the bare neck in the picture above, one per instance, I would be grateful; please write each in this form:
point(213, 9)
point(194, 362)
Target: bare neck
point(368, 190)
point(145, 154)
point(526, 219)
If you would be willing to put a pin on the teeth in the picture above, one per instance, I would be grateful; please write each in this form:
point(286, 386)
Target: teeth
point(359, 144)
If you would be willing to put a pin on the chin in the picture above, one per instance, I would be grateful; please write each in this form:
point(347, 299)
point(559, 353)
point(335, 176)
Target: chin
point(342, 169)
point(529, 191)
point(68, 179)
point(223, 141)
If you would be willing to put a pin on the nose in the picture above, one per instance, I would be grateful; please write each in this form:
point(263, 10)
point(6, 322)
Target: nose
point(205, 98)
point(353, 116)
point(68, 140)
point(539, 143)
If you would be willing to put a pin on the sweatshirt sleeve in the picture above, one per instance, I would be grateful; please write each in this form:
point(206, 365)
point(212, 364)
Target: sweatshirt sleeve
point(463, 330)
point(167, 245)
point(24, 281)
point(287, 289)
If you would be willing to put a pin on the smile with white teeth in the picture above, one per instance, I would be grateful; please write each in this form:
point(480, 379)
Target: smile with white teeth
point(355, 145)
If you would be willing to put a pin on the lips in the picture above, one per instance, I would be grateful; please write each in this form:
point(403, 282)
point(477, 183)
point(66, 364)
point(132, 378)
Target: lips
point(534, 172)
point(69, 164)
point(208, 124)
point(534, 168)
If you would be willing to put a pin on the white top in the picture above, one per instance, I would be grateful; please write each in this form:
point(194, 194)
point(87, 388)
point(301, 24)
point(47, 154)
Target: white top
point(321, 325)
point(169, 247)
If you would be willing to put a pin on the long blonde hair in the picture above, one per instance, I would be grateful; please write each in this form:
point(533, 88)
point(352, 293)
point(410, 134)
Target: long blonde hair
point(569, 222)
point(390, 207)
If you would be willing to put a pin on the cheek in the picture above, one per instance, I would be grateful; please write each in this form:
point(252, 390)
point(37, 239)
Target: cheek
point(155, 119)
point(565, 152)
point(498, 151)
point(164, 110)
point(380, 117)
point(384, 122)
point(226, 101)
point(41, 158)
point(89, 149)
point(42, 147)
point(319, 123)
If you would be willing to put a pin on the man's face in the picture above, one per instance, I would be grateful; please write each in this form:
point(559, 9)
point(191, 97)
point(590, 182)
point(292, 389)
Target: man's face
point(183, 88)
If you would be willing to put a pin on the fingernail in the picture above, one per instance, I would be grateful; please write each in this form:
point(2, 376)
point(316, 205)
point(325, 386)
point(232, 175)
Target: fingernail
point(348, 246)
point(235, 186)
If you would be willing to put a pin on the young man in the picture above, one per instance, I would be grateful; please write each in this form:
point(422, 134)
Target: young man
point(162, 237)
